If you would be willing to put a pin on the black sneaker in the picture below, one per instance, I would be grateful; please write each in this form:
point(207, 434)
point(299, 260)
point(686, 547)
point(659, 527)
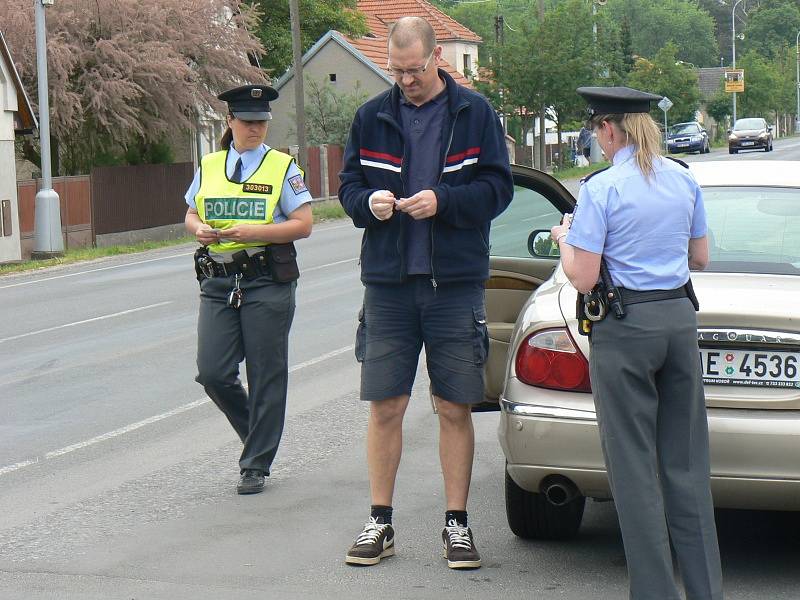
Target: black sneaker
point(374, 543)
point(251, 482)
point(459, 547)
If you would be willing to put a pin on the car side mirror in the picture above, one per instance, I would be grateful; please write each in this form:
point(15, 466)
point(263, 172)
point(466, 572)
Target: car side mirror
point(769, 128)
point(541, 245)
point(729, 131)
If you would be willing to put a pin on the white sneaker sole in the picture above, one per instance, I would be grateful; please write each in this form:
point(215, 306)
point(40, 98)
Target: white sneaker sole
point(462, 564)
point(360, 560)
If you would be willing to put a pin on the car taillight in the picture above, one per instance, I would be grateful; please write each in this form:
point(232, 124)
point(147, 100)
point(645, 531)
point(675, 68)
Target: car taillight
point(550, 359)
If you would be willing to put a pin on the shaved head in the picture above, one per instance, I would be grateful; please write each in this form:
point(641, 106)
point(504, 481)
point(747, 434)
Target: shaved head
point(410, 30)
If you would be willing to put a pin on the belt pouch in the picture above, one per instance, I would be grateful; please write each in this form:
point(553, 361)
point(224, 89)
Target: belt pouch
point(584, 324)
point(282, 260)
point(246, 267)
point(201, 254)
point(692, 296)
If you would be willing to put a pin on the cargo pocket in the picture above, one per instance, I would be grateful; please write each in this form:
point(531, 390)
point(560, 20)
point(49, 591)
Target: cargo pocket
point(481, 336)
point(361, 337)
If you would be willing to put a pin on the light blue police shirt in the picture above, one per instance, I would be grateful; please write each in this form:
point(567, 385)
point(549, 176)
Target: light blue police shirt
point(641, 227)
point(290, 200)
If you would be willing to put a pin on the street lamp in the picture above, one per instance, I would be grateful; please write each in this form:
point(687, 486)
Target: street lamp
point(797, 114)
point(47, 240)
point(733, 48)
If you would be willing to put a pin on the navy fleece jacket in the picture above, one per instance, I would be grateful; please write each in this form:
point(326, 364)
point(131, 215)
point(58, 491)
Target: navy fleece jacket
point(475, 186)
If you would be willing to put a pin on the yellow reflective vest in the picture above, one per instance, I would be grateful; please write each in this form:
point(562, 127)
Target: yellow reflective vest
point(223, 203)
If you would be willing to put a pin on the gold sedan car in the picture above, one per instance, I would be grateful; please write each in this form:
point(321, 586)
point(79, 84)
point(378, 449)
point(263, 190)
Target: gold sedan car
point(748, 333)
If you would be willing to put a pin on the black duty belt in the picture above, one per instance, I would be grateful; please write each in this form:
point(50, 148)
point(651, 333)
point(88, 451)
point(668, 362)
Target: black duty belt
point(248, 266)
point(636, 296)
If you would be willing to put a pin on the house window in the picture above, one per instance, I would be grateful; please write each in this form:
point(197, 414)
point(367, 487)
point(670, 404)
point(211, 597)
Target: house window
point(332, 77)
point(467, 64)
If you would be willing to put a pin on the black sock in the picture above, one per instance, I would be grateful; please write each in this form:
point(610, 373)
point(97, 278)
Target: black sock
point(459, 515)
point(381, 514)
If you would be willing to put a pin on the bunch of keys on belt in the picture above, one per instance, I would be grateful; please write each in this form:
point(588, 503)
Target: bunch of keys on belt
point(236, 296)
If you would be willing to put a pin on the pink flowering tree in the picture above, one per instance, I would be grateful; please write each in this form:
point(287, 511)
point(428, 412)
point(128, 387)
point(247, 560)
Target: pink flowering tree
point(125, 75)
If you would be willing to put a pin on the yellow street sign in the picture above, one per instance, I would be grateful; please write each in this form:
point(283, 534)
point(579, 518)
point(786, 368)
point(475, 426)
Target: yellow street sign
point(734, 80)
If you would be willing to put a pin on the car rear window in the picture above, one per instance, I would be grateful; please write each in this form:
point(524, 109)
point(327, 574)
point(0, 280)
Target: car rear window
point(753, 229)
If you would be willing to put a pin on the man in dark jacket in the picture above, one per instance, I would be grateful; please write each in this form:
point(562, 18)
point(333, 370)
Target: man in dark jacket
point(425, 171)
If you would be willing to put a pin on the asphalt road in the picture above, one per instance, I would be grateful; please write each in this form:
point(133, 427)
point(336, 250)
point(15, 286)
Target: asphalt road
point(117, 474)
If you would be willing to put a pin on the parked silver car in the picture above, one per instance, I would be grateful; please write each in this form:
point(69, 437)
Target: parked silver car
point(749, 337)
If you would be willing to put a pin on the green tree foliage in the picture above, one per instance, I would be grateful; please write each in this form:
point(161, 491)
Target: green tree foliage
point(676, 81)
point(317, 17)
point(771, 27)
point(762, 85)
point(329, 114)
point(720, 108)
point(654, 24)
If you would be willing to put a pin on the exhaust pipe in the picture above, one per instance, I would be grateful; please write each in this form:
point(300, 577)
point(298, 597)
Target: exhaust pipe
point(559, 490)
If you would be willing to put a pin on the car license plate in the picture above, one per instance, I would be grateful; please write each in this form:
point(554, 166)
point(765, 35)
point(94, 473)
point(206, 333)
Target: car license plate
point(683, 144)
point(753, 368)
point(748, 143)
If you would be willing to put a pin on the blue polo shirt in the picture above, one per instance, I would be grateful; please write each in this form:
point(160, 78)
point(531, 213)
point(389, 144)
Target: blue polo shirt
point(641, 226)
point(423, 156)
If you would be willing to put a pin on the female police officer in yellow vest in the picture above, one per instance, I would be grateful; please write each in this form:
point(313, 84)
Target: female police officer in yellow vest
point(644, 219)
point(247, 203)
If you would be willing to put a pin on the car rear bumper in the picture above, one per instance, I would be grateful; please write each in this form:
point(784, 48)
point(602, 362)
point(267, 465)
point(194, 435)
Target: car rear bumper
point(754, 454)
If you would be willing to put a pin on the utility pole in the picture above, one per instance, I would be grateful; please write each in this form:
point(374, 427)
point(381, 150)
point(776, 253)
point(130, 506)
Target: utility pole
point(733, 49)
point(47, 240)
point(542, 127)
point(299, 93)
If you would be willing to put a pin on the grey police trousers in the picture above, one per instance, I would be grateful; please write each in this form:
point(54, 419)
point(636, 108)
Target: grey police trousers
point(648, 392)
point(258, 333)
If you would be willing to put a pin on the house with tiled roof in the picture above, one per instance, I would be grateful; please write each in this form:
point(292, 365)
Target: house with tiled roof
point(16, 118)
point(347, 64)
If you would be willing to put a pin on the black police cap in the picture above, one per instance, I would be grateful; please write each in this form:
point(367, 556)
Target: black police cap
point(616, 100)
point(250, 102)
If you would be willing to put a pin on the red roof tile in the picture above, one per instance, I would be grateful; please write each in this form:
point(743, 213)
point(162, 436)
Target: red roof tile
point(387, 12)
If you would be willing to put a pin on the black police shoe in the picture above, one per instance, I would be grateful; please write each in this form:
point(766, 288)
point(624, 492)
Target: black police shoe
point(251, 482)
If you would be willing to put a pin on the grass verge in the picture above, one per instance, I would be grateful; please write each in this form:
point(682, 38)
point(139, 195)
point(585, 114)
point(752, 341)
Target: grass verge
point(326, 210)
point(578, 172)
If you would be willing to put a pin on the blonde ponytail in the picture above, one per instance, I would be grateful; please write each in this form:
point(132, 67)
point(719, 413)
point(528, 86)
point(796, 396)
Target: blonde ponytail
point(642, 132)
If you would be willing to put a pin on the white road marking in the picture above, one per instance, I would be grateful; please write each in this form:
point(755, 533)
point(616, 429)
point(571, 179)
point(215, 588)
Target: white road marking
point(150, 420)
point(139, 262)
point(92, 320)
point(333, 264)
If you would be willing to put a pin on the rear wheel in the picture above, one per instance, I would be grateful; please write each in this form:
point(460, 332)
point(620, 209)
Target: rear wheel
point(531, 516)
point(706, 148)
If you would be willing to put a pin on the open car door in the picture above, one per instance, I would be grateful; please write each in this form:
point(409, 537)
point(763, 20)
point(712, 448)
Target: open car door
point(514, 274)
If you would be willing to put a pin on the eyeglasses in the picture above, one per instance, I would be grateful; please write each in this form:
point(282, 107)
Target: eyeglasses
point(412, 72)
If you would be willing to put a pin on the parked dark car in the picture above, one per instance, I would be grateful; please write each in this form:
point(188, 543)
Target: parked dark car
point(750, 134)
point(688, 137)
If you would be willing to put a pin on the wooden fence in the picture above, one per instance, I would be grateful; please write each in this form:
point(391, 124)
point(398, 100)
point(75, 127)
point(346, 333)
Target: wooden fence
point(103, 207)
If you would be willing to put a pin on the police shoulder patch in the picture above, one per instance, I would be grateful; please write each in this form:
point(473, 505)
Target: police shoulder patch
point(590, 175)
point(298, 185)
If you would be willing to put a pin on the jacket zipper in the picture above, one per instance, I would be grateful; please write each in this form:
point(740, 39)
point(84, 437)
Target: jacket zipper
point(389, 119)
point(441, 174)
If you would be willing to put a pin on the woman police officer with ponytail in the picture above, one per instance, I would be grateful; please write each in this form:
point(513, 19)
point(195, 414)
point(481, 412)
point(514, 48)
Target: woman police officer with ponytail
point(644, 217)
point(247, 204)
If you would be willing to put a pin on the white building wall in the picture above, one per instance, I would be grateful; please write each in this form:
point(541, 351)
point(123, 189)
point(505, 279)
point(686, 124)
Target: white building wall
point(9, 240)
point(454, 52)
